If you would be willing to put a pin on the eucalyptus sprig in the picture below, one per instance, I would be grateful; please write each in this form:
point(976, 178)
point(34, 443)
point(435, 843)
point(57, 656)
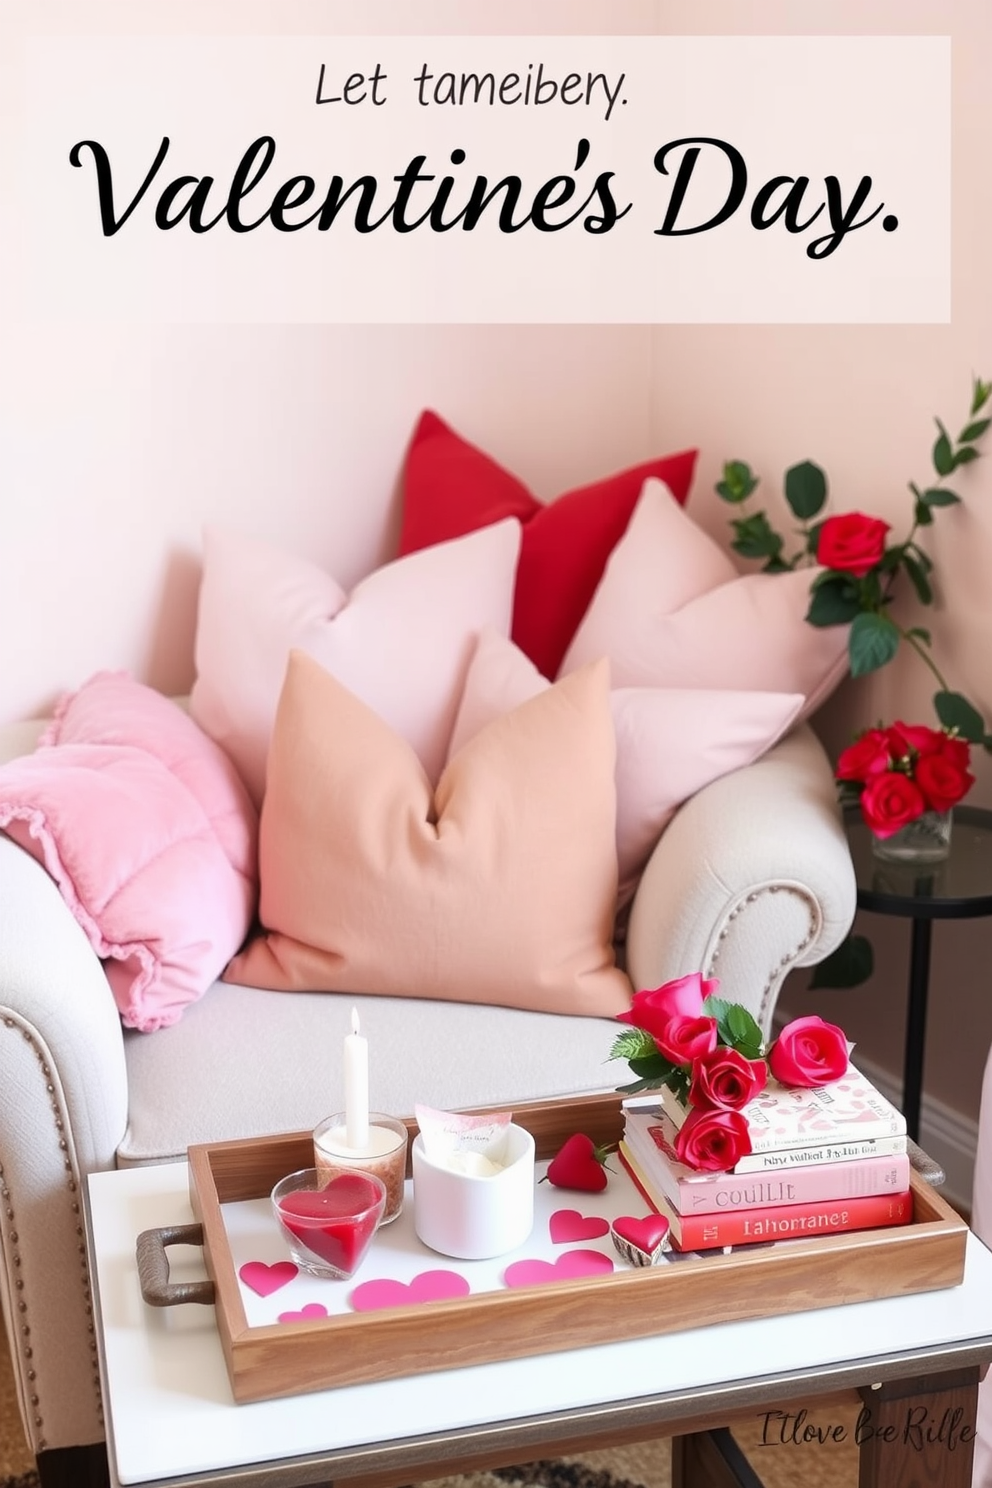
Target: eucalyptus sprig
point(840, 597)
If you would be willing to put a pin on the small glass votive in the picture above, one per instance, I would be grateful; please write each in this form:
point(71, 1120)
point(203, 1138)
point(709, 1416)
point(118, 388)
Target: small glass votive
point(329, 1224)
point(384, 1155)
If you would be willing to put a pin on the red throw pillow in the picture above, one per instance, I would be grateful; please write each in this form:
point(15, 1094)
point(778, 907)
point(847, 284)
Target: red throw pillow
point(451, 488)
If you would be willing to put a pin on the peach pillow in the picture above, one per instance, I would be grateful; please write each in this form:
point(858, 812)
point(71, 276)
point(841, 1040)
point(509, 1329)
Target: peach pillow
point(670, 741)
point(496, 887)
point(744, 631)
point(401, 640)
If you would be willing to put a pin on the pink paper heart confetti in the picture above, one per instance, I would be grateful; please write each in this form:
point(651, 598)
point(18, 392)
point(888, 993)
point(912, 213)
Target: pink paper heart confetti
point(572, 1264)
point(568, 1224)
point(265, 1279)
point(312, 1310)
point(426, 1286)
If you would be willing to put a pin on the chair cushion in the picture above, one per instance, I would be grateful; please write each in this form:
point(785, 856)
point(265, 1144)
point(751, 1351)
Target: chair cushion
point(451, 487)
point(498, 887)
point(401, 640)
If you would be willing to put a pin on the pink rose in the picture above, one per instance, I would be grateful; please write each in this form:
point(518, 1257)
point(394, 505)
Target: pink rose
point(867, 756)
point(808, 1052)
point(942, 780)
point(890, 801)
point(685, 1039)
point(712, 1141)
point(851, 543)
point(652, 1010)
point(726, 1080)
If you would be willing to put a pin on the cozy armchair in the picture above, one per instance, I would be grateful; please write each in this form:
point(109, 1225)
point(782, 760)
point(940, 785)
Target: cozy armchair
point(693, 798)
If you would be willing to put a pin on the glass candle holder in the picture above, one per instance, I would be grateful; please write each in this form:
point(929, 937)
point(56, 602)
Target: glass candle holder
point(329, 1224)
point(384, 1155)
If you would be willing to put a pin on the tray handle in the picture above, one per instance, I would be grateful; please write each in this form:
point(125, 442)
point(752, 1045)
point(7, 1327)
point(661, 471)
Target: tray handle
point(153, 1267)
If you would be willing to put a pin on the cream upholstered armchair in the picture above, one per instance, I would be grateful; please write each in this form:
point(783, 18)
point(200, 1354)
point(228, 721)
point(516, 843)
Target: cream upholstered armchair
point(122, 1041)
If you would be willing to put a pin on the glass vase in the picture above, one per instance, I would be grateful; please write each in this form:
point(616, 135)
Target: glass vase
point(925, 840)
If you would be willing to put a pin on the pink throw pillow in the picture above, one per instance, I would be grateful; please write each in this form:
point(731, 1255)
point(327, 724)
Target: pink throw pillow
point(670, 741)
point(496, 887)
point(150, 836)
point(401, 640)
point(747, 631)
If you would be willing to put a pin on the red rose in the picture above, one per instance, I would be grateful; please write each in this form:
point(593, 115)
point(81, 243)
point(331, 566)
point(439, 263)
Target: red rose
point(712, 1141)
point(914, 738)
point(809, 1052)
point(685, 1039)
point(955, 749)
point(852, 543)
point(726, 1080)
point(889, 801)
point(652, 1010)
point(867, 756)
point(942, 781)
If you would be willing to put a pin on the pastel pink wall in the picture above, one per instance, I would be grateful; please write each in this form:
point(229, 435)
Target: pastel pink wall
point(116, 447)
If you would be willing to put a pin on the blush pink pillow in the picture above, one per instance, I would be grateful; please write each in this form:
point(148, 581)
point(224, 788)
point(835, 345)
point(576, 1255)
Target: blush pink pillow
point(401, 640)
point(498, 886)
point(744, 631)
point(670, 741)
point(150, 836)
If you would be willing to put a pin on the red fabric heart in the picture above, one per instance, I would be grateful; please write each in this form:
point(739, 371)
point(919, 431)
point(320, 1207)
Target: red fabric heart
point(572, 1264)
point(568, 1224)
point(265, 1279)
point(426, 1286)
point(576, 1166)
point(647, 1233)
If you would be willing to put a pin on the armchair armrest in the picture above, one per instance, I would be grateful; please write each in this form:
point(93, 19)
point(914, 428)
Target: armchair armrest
point(63, 1114)
point(752, 877)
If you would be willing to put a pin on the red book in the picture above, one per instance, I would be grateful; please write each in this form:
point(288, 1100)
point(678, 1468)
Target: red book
point(771, 1222)
point(690, 1191)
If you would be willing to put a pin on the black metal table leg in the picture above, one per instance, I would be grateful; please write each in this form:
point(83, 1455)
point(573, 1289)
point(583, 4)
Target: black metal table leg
point(916, 1025)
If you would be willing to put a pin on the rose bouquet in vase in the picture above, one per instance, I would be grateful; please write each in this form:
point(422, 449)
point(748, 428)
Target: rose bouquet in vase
point(902, 776)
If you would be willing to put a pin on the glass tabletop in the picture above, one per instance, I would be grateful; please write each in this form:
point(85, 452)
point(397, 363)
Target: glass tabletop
point(958, 888)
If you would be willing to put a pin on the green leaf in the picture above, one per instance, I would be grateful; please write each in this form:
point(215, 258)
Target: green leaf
point(848, 966)
point(922, 515)
point(974, 431)
point(955, 712)
point(834, 600)
point(745, 1034)
point(964, 456)
point(805, 489)
point(873, 642)
point(980, 394)
point(637, 1087)
point(920, 634)
point(633, 1043)
point(943, 455)
point(918, 578)
point(738, 482)
point(937, 496)
point(755, 537)
point(777, 564)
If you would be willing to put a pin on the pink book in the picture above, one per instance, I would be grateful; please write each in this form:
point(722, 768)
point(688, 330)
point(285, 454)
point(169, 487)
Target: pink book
point(650, 1137)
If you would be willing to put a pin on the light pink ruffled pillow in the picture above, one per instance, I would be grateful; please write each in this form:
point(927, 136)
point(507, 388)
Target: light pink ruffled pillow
point(670, 741)
point(150, 835)
point(401, 640)
point(665, 619)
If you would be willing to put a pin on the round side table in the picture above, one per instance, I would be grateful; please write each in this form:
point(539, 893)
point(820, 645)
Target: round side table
point(959, 888)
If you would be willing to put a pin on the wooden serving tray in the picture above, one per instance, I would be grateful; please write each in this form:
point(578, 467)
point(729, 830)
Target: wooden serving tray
point(761, 1281)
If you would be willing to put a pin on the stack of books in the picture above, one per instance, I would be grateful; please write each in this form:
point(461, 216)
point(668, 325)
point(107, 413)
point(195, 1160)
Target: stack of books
point(823, 1161)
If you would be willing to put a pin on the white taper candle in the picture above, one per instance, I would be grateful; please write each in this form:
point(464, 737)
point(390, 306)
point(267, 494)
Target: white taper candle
point(356, 1086)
